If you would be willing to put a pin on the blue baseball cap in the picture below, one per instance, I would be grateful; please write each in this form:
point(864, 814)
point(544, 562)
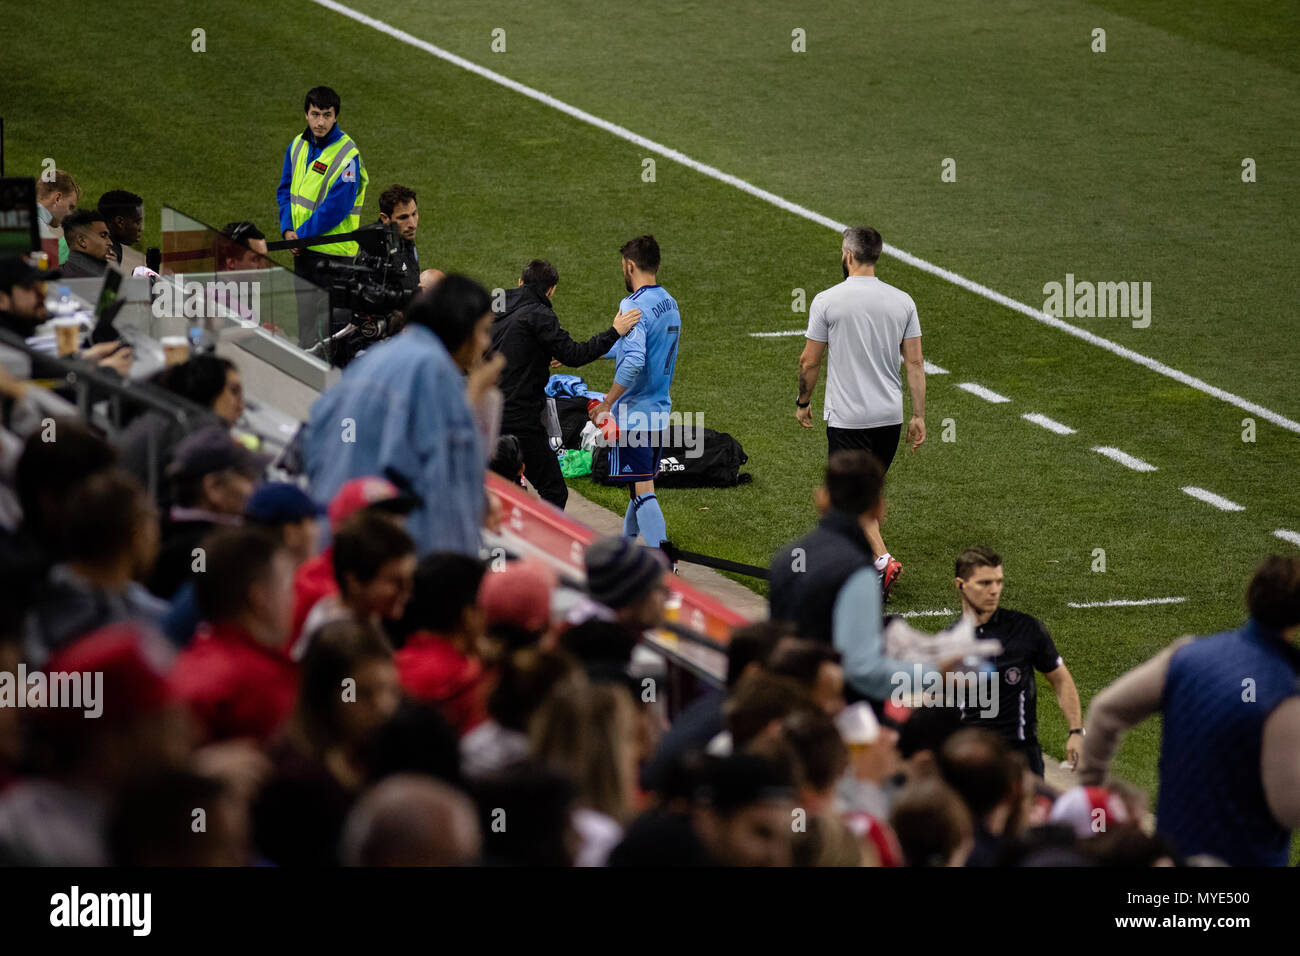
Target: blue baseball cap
point(278, 502)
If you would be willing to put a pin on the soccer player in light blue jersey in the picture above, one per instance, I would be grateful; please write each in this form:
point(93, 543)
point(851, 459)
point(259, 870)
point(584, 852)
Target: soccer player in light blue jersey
point(638, 400)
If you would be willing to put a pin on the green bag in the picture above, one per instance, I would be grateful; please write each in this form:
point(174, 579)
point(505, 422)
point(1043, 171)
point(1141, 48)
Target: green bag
point(575, 463)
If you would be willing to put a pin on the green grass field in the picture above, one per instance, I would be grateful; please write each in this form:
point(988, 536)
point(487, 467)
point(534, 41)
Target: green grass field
point(1117, 166)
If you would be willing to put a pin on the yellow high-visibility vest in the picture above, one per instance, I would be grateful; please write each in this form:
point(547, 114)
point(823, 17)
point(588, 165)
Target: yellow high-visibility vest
point(311, 184)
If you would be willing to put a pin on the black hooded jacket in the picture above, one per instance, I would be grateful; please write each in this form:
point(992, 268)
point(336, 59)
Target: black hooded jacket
point(529, 335)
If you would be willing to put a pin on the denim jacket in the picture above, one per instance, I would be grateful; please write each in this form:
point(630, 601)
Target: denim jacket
point(401, 406)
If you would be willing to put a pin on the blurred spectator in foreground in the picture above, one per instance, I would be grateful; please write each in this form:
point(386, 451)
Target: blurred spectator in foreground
point(526, 817)
point(820, 759)
point(626, 582)
point(212, 478)
point(90, 245)
point(154, 823)
point(516, 605)
point(208, 381)
point(348, 689)
point(525, 680)
point(56, 199)
point(701, 720)
point(932, 824)
point(744, 811)
point(922, 736)
point(978, 765)
point(374, 567)
point(46, 474)
point(409, 820)
point(439, 660)
point(57, 817)
point(816, 667)
point(589, 733)
point(410, 401)
point(123, 213)
point(314, 578)
point(282, 509)
point(110, 540)
point(1230, 745)
point(236, 677)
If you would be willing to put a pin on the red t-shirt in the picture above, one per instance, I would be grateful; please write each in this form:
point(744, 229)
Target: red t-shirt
point(433, 671)
point(235, 686)
point(313, 580)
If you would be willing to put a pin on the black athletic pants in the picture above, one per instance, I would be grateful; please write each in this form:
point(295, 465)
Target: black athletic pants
point(541, 467)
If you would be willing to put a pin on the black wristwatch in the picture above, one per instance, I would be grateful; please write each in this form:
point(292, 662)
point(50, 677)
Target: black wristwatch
point(799, 404)
point(1076, 730)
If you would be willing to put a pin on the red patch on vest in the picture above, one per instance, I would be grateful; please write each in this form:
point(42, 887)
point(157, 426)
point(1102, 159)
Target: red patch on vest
point(319, 167)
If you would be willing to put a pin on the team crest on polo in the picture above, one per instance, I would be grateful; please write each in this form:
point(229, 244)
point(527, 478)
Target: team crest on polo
point(1012, 675)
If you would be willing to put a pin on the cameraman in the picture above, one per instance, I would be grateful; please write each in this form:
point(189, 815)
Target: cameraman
point(397, 206)
point(529, 335)
point(322, 189)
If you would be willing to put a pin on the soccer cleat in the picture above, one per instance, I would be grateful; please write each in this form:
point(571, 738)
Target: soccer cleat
point(888, 576)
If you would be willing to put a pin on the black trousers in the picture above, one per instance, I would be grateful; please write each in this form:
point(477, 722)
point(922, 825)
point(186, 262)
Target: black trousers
point(540, 465)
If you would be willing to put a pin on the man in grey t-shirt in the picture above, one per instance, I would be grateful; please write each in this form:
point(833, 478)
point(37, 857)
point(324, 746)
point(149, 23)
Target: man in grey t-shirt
point(868, 325)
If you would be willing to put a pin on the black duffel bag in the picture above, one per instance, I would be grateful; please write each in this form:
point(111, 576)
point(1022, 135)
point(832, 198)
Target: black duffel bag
point(720, 458)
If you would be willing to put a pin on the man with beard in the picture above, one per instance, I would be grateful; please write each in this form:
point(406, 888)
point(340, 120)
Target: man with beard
point(638, 400)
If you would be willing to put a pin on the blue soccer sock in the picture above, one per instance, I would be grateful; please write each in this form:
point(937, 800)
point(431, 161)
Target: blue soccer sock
point(650, 518)
point(630, 528)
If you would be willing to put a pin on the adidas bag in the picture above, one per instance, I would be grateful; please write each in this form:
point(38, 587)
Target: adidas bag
point(717, 465)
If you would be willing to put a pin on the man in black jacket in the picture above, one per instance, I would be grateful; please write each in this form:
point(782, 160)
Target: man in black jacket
point(807, 574)
point(529, 335)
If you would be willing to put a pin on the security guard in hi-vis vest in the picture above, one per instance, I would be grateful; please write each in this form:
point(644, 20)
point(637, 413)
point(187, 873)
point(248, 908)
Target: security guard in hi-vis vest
point(322, 190)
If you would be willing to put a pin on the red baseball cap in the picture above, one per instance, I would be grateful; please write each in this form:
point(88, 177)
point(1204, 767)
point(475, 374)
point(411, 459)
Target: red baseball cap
point(133, 663)
point(367, 492)
point(518, 595)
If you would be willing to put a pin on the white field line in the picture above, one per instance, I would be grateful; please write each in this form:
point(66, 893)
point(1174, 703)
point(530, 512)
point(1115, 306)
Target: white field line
point(1049, 423)
point(932, 369)
point(1124, 458)
point(803, 212)
point(1123, 603)
point(1210, 498)
point(1285, 535)
point(985, 393)
point(942, 612)
point(776, 335)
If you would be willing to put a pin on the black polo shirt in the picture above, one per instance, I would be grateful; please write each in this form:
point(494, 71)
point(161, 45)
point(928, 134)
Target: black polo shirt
point(1026, 647)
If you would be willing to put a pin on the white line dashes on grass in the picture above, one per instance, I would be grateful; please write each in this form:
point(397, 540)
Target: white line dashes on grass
point(1210, 498)
point(1050, 424)
point(1285, 535)
point(985, 393)
point(1125, 603)
point(776, 335)
point(1124, 458)
point(942, 612)
point(803, 212)
point(932, 369)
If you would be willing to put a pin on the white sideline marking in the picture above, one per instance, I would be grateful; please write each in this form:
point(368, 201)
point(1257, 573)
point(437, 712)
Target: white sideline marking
point(932, 369)
point(987, 394)
point(1210, 498)
point(1285, 535)
point(942, 612)
point(1123, 603)
point(774, 335)
point(1124, 458)
point(803, 212)
point(1051, 424)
